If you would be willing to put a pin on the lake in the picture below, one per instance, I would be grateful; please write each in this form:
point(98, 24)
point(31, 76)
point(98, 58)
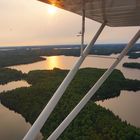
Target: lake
point(13, 85)
point(126, 106)
point(12, 125)
point(67, 62)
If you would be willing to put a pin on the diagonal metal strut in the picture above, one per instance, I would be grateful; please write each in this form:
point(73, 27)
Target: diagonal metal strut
point(38, 124)
point(59, 130)
point(83, 26)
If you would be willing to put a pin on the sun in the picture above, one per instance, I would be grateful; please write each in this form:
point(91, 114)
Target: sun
point(52, 9)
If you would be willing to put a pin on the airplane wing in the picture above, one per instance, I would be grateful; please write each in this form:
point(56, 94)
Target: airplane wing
point(114, 12)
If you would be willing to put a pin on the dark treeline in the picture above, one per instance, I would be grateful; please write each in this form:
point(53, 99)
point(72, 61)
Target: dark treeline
point(25, 55)
point(94, 122)
point(17, 57)
point(8, 75)
point(134, 55)
point(132, 65)
point(109, 48)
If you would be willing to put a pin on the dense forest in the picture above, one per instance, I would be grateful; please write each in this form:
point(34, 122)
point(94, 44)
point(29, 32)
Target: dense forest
point(17, 57)
point(132, 65)
point(94, 122)
point(134, 55)
point(25, 55)
point(8, 75)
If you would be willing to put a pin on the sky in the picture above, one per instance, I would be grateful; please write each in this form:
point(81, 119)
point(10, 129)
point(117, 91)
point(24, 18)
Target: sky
point(29, 22)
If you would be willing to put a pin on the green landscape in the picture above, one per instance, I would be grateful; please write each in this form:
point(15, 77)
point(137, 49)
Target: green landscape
point(9, 75)
point(70, 70)
point(94, 121)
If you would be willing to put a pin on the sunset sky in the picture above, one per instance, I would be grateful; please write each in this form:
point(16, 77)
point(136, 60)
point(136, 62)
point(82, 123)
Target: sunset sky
point(29, 22)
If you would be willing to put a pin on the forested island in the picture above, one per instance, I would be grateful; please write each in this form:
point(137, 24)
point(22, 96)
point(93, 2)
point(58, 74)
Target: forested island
point(93, 122)
point(8, 75)
point(28, 54)
point(132, 65)
point(134, 55)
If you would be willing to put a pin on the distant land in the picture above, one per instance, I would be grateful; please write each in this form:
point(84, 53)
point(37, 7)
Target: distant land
point(100, 49)
point(30, 54)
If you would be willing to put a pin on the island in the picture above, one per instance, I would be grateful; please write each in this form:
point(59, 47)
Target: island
point(9, 75)
point(134, 55)
point(93, 122)
point(132, 65)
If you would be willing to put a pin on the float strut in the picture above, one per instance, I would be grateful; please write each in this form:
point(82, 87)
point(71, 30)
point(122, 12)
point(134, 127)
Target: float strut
point(83, 26)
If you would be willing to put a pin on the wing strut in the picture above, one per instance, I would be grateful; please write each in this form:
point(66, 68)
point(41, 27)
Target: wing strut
point(38, 124)
point(58, 131)
point(83, 26)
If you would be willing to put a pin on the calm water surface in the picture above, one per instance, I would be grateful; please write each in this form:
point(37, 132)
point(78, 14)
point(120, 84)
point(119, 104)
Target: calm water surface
point(13, 85)
point(12, 125)
point(126, 106)
point(67, 62)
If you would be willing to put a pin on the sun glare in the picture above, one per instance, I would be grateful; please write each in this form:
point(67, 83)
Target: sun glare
point(53, 62)
point(52, 9)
